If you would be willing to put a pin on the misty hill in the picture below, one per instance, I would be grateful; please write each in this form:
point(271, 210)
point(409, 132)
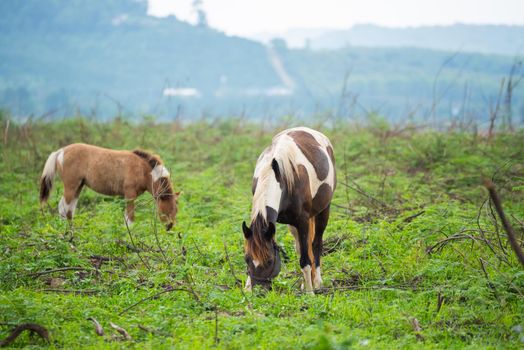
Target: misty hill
point(55, 52)
point(497, 39)
point(107, 57)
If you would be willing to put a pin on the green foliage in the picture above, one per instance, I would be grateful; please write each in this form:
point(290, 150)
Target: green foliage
point(400, 194)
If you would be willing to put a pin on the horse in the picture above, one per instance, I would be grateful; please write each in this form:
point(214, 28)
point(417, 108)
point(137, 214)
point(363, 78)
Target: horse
point(112, 173)
point(293, 184)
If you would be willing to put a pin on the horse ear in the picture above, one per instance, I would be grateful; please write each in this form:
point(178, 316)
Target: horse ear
point(247, 231)
point(276, 169)
point(177, 194)
point(270, 232)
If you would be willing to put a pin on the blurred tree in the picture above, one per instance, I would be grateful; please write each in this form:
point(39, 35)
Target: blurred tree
point(198, 7)
point(279, 44)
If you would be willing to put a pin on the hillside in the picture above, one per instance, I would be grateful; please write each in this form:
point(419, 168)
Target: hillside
point(75, 52)
point(488, 39)
point(108, 58)
point(402, 83)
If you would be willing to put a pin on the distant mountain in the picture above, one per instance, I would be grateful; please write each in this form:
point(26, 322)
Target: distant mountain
point(101, 53)
point(107, 57)
point(495, 39)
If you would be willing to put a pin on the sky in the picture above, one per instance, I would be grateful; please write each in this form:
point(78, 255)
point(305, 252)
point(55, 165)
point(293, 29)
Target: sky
point(253, 17)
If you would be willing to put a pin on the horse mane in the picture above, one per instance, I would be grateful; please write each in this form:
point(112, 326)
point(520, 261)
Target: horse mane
point(285, 154)
point(152, 159)
point(162, 188)
point(257, 246)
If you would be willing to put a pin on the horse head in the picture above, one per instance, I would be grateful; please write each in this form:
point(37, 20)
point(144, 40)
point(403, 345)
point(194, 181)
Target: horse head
point(167, 201)
point(262, 254)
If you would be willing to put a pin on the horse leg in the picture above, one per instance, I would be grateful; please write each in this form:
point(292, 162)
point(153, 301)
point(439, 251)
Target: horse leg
point(68, 202)
point(248, 286)
point(294, 232)
point(305, 237)
point(130, 196)
point(321, 221)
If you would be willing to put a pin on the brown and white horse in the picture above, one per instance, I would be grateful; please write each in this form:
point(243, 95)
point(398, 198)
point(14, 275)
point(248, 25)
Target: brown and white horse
point(109, 172)
point(293, 184)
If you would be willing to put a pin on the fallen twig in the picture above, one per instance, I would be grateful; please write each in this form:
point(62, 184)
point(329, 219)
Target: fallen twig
point(73, 291)
point(33, 327)
point(154, 296)
point(417, 328)
point(98, 328)
point(146, 329)
point(331, 244)
point(410, 218)
point(360, 191)
point(327, 290)
point(458, 236)
point(121, 330)
point(45, 272)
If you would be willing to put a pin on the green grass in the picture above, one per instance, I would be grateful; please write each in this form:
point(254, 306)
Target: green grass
point(379, 275)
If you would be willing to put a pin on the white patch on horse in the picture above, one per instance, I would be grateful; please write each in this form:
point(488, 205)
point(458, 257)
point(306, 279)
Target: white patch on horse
point(318, 279)
point(60, 157)
point(307, 279)
point(298, 158)
point(267, 193)
point(129, 222)
point(158, 172)
point(289, 157)
point(256, 262)
point(64, 208)
point(248, 284)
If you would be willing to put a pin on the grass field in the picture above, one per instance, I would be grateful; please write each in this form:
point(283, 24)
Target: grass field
point(414, 254)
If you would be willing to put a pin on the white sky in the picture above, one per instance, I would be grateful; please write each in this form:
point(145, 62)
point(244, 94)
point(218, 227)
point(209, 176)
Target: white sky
point(249, 17)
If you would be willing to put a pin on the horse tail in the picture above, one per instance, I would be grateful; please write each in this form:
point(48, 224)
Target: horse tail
point(48, 174)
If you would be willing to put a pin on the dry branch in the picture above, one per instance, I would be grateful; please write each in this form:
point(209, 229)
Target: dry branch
point(355, 187)
point(458, 236)
point(507, 226)
point(412, 217)
point(98, 328)
point(154, 296)
point(416, 327)
point(72, 291)
point(32, 327)
point(71, 268)
point(121, 330)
